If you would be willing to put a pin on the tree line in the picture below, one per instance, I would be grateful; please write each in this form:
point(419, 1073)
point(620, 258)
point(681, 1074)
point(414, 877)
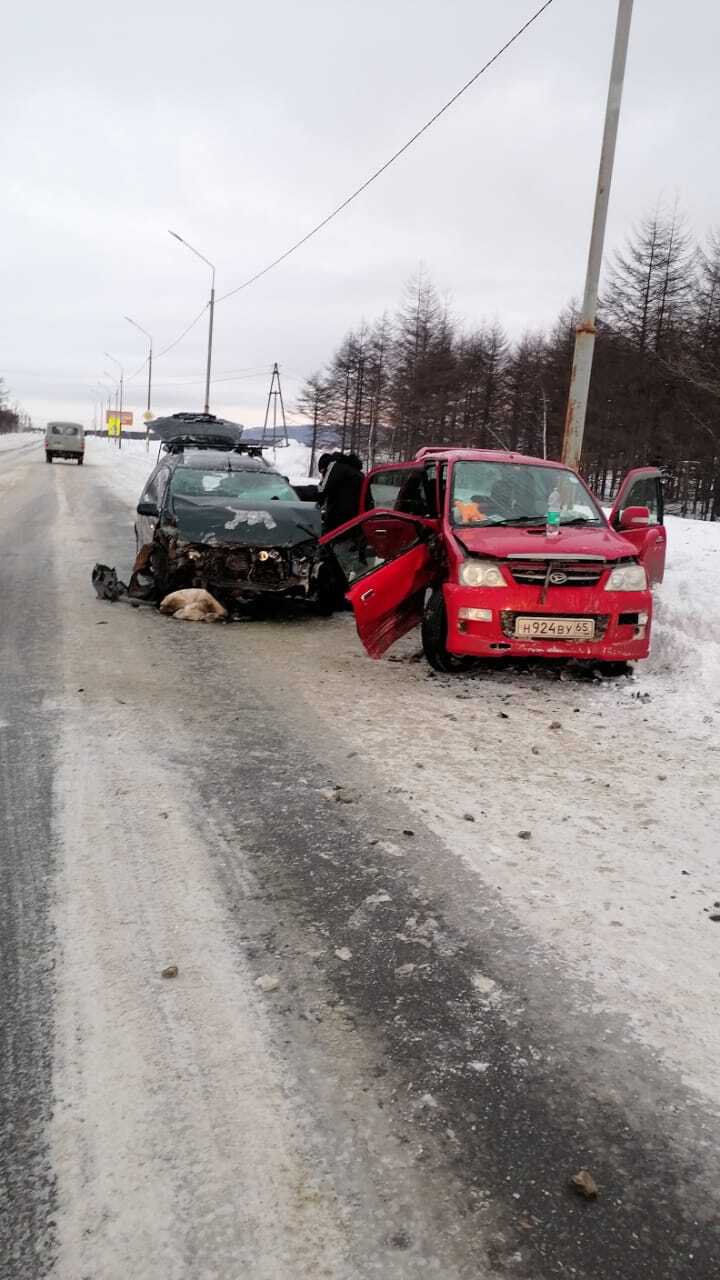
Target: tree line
point(9, 418)
point(419, 376)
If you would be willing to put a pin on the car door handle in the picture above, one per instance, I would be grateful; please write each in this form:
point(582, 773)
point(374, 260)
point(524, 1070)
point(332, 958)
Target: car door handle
point(367, 595)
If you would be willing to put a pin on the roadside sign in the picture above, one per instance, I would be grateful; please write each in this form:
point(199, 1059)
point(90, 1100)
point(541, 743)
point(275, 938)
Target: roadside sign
point(125, 419)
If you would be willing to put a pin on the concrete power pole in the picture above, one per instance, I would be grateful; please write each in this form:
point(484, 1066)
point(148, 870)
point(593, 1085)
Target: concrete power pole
point(585, 331)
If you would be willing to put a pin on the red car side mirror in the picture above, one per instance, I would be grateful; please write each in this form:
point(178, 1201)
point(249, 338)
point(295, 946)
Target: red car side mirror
point(634, 517)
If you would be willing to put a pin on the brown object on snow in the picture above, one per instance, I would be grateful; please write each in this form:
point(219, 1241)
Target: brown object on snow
point(170, 971)
point(585, 1185)
point(193, 604)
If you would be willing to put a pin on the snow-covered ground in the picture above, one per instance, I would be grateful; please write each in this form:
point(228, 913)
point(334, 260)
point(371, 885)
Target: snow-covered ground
point(619, 872)
point(19, 440)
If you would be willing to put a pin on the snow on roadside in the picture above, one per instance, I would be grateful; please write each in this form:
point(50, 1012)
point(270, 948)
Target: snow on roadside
point(125, 470)
point(685, 653)
point(19, 440)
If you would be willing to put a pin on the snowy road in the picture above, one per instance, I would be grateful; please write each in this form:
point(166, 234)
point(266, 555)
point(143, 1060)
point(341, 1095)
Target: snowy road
point(459, 1017)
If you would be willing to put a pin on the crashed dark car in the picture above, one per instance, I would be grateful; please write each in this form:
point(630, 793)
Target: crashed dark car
point(216, 514)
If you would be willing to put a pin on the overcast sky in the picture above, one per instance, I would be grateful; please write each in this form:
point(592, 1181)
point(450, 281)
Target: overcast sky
point(240, 125)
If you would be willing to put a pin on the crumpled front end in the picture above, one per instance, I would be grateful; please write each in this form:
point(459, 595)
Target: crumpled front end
point(233, 573)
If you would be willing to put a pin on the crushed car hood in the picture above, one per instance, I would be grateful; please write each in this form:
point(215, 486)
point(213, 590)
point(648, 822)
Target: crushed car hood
point(238, 522)
point(497, 543)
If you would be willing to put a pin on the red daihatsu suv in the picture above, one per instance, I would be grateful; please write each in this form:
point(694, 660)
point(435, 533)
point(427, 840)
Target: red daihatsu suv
point(500, 555)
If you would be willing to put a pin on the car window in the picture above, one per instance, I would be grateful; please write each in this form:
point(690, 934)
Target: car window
point(64, 429)
point(254, 486)
point(155, 487)
point(488, 493)
point(384, 488)
point(645, 492)
point(377, 541)
point(403, 489)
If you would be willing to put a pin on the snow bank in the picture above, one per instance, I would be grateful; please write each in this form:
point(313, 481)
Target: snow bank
point(684, 660)
point(127, 469)
point(19, 440)
point(292, 459)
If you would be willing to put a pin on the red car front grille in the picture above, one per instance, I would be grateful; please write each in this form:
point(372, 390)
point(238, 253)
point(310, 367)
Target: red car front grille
point(577, 573)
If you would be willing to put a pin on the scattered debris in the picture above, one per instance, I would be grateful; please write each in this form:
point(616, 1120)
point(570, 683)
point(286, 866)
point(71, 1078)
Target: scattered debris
point(469, 817)
point(715, 916)
point(405, 970)
point(106, 583)
point(524, 835)
point(170, 971)
point(346, 795)
point(585, 1185)
point(192, 604)
point(408, 831)
point(555, 724)
point(486, 986)
point(343, 953)
point(267, 983)
point(503, 715)
point(479, 1067)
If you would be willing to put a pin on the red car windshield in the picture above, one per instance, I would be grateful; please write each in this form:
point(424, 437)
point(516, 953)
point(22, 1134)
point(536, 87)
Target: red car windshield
point(517, 493)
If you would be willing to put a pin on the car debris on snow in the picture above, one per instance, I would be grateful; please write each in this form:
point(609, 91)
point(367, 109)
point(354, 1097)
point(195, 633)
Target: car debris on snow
point(170, 971)
point(193, 604)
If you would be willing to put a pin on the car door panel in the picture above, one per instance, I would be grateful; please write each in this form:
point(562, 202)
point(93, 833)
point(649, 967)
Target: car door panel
point(388, 561)
point(642, 487)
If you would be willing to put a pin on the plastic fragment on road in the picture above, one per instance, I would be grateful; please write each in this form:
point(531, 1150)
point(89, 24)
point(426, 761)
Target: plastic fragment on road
point(585, 1185)
point(107, 584)
point(193, 604)
point(267, 983)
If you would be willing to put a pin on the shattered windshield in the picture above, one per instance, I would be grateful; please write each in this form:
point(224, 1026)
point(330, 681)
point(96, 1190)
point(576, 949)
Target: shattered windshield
point(252, 486)
point(511, 493)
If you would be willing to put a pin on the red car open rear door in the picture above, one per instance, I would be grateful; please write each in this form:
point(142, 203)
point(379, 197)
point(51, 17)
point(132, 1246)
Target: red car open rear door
point(388, 561)
point(642, 487)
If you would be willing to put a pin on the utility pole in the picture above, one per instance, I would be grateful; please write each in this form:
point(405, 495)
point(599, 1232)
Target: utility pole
point(211, 305)
point(120, 396)
point(585, 331)
point(135, 325)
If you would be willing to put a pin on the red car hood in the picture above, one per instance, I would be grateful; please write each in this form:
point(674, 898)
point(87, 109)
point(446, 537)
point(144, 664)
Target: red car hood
point(497, 543)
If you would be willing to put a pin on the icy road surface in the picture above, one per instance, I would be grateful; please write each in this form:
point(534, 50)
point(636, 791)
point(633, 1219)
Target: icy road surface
point(441, 943)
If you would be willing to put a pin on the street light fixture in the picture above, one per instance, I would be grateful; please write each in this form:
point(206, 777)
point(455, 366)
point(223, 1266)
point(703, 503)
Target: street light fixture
point(120, 406)
point(135, 325)
point(212, 314)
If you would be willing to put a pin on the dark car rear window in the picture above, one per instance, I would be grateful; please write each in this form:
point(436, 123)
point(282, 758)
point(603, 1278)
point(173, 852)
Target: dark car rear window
point(64, 429)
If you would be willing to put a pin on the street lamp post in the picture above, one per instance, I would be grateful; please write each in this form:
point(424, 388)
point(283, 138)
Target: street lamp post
point(120, 406)
point(135, 325)
point(212, 315)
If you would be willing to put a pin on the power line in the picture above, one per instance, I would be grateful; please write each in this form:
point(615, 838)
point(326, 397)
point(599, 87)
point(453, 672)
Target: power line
point(396, 156)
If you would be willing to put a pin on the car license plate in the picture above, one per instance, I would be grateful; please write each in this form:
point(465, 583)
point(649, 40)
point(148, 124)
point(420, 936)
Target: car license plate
point(555, 628)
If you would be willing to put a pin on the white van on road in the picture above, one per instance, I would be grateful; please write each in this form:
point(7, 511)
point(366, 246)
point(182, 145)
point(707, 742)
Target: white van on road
point(65, 440)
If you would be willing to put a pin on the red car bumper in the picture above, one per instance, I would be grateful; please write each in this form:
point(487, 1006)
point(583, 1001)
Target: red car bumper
point(621, 633)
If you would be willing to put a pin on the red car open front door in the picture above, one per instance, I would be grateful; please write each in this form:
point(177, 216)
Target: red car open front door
point(643, 488)
point(388, 561)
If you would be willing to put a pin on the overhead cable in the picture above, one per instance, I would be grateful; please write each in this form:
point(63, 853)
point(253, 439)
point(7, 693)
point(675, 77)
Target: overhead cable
point(396, 156)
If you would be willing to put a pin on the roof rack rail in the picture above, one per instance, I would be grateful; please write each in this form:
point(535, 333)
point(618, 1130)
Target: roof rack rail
point(177, 444)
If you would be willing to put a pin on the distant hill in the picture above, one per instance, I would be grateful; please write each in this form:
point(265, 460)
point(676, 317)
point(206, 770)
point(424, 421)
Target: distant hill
point(327, 437)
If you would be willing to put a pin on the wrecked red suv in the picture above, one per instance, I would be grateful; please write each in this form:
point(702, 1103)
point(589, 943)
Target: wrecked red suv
point(459, 540)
